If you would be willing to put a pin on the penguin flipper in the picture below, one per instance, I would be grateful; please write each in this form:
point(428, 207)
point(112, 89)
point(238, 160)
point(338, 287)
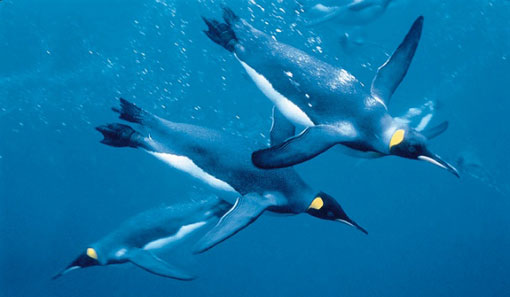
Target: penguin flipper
point(151, 263)
point(436, 130)
point(282, 129)
point(244, 212)
point(392, 72)
point(305, 146)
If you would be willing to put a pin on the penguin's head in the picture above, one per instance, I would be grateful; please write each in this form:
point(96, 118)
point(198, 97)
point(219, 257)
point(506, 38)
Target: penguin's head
point(325, 207)
point(87, 259)
point(411, 144)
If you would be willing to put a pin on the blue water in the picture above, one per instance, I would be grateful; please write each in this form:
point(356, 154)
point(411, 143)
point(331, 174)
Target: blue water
point(64, 63)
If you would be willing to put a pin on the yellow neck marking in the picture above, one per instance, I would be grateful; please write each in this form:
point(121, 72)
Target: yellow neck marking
point(317, 203)
point(92, 253)
point(397, 137)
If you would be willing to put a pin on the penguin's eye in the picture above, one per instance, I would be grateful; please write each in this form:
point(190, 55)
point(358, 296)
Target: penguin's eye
point(412, 149)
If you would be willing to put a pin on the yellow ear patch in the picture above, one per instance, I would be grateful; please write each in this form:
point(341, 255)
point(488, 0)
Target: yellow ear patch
point(92, 253)
point(317, 203)
point(397, 137)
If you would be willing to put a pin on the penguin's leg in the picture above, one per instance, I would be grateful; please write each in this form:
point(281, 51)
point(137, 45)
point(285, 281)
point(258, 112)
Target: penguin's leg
point(310, 143)
point(244, 212)
point(120, 135)
point(130, 112)
point(151, 263)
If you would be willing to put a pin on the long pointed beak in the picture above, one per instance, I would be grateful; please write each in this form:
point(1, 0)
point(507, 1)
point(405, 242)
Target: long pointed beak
point(70, 268)
point(83, 260)
point(436, 160)
point(353, 224)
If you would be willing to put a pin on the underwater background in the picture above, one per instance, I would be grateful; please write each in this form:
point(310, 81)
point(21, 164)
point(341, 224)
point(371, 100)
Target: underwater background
point(63, 65)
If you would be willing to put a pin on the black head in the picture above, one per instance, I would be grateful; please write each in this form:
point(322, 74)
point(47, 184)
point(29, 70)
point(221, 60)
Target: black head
point(411, 144)
point(87, 259)
point(326, 207)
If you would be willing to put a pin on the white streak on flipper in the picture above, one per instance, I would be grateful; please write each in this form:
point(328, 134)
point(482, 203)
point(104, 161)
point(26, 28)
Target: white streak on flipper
point(183, 231)
point(120, 252)
point(187, 165)
point(290, 110)
point(376, 99)
point(424, 122)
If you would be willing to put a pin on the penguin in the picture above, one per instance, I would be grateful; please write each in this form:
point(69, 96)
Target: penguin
point(357, 12)
point(152, 231)
point(329, 102)
point(223, 162)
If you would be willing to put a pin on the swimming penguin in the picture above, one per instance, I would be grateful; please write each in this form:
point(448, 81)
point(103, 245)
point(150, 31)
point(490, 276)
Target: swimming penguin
point(138, 238)
point(357, 12)
point(223, 162)
point(330, 102)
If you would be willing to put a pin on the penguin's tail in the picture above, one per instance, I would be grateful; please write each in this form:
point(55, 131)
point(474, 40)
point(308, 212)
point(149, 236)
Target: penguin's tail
point(222, 33)
point(119, 135)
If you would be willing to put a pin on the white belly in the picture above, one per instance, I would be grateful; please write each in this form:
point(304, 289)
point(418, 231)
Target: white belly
point(290, 110)
point(187, 165)
point(166, 241)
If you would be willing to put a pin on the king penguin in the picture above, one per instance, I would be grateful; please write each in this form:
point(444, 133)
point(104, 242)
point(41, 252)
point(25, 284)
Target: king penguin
point(329, 102)
point(223, 162)
point(357, 12)
point(152, 231)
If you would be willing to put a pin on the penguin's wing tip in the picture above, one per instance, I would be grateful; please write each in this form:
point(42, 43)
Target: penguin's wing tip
point(149, 262)
point(300, 148)
point(392, 72)
point(244, 212)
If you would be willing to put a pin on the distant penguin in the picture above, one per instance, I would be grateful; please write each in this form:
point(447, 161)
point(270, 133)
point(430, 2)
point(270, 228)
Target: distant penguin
point(223, 162)
point(358, 12)
point(330, 102)
point(152, 231)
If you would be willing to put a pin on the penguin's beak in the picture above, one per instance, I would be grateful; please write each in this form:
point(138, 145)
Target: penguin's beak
point(84, 260)
point(436, 160)
point(352, 224)
point(69, 268)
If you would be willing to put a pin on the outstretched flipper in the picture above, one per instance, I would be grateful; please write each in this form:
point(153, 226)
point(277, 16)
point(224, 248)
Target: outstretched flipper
point(244, 212)
point(281, 129)
point(435, 131)
point(391, 73)
point(151, 263)
point(310, 143)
